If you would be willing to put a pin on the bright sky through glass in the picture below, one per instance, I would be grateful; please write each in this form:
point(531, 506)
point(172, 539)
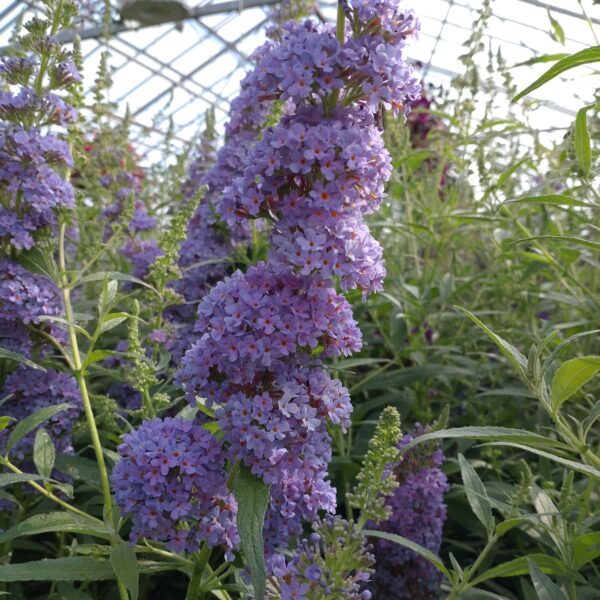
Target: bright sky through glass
point(178, 71)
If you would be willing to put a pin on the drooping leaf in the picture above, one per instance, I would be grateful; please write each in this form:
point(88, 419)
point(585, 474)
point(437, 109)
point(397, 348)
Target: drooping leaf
point(65, 324)
point(71, 568)
point(490, 434)
point(541, 59)
point(124, 563)
point(115, 275)
point(12, 478)
point(22, 428)
point(581, 141)
point(571, 464)
point(560, 238)
point(44, 454)
point(516, 358)
point(435, 560)
point(554, 199)
point(571, 376)
point(19, 358)
point(520, 566)
point(583, 57)
point(545, 588)
point(55, 521)
point(476, 494)
point(252, 496)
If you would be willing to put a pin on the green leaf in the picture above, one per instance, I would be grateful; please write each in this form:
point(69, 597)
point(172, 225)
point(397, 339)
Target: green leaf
point(108, 295)
point(544, 587)
point(351, 363)
point(570, 376)
point(586, 548)
point(111, 320)
point(589, 55)
point(571, 464)
point(22, 428)
point(560, 238)
point(435, 560)
point(124, 562)
point(65, 324)
point(55, 521)
point(476, 494)
point(520, 566)
point(12, 478)
point(19, 358)
point(115, 275)
point(516, 358)
point(479, 594)
point(556, 199)
point(67, 591)
point(252, 496)
point(558, 33)
point(71, 568)
point(4, 421)
point(492, 434)
point(98, 356)
point(581, 140)
point(44, 454)
point(80, 468)
point(541, 59)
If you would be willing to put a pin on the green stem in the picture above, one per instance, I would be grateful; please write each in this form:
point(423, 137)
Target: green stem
point(567, 434)
point(76, 360)
point(42, 490)
point(340, 24)
point(45, 58)
point(195, 591)
point(85, 398)
point(164, 553)
point(468, 574)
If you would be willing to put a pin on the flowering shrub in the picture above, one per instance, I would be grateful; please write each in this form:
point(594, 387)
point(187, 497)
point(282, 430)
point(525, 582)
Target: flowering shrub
point(417, 512)
point(173, 482)
point(182, 344)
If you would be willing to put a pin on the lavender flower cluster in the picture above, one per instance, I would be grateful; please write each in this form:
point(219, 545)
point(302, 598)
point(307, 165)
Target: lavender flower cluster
point(33, 191)
point(314, 176)
point(172, 480)
point(26, 296)
point(31, 188)
point(334, 562)
point(261, 334)
point(28, 390)
point(418, 513)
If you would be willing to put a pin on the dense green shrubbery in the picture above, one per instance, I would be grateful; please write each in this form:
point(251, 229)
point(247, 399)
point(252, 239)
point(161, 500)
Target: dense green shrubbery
point(484, 340)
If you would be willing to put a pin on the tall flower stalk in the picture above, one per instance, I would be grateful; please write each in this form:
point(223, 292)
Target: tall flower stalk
point(314, 176)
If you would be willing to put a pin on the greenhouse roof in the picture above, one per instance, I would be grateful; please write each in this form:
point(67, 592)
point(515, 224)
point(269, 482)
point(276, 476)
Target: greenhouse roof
point(175, 70)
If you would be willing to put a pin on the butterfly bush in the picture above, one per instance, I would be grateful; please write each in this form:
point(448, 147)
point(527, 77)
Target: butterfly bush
point(334, 562)
point(32, 187)
point(314, 176)
point(34, 193)
point(172, 480)
point(27, 391)
point(418, 513)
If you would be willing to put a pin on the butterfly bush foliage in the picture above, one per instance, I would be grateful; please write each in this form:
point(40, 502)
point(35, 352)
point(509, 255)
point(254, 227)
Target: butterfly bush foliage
point(226, 310)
